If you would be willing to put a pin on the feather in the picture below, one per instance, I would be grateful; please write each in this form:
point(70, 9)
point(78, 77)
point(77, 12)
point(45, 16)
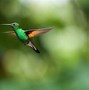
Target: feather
point(33, 47)
point(35, 32)
point(10, 32)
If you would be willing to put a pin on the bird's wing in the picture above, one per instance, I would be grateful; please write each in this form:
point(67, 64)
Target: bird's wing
point(33, 47)
point(10, 32)
point(35, 32)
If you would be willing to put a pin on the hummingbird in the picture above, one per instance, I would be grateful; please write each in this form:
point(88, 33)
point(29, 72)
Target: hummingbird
point(25, 35)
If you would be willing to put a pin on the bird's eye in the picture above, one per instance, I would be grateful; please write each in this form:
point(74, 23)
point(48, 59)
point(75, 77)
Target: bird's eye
point(13, 24)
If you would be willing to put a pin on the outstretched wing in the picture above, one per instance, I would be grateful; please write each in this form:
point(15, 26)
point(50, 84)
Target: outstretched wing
point(35, 32)
point(33, 47)
point(10, 32)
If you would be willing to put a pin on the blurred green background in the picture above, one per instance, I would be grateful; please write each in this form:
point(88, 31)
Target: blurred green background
point(63, 63)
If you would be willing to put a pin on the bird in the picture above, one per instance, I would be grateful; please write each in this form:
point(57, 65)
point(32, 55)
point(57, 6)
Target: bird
point(25, 35)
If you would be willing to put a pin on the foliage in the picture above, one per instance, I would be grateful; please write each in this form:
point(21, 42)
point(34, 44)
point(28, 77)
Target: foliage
point(63, 63)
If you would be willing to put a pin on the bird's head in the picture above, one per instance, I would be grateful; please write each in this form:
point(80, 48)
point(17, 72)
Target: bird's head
point(13, 25)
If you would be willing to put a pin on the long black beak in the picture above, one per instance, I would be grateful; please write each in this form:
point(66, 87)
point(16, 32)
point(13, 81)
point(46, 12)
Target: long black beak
point(5, 24)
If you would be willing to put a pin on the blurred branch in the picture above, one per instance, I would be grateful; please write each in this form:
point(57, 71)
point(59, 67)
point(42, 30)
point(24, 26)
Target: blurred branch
point(79, 14)
point(82, 19)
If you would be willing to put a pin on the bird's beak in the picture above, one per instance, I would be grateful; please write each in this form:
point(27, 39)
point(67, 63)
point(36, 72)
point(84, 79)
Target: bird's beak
point(5, 24)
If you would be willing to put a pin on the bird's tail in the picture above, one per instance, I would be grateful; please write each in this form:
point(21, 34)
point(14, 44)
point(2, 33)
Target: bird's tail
point(33, 46)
